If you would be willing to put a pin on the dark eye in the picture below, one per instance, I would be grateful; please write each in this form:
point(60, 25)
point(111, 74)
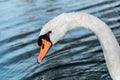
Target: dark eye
point(39, 41)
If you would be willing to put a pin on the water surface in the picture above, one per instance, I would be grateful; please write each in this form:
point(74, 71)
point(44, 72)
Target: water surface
point(78, 56)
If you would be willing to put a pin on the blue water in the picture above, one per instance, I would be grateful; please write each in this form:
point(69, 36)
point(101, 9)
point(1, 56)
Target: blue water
point(78, 56)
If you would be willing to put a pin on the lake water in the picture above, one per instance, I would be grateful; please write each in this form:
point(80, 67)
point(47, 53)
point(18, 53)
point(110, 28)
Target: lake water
point(78, 56)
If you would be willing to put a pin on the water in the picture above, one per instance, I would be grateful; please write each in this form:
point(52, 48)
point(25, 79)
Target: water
point(78, 56)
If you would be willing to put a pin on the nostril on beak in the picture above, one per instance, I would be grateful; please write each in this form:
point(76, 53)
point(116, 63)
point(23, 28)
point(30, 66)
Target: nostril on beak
point(42, 46)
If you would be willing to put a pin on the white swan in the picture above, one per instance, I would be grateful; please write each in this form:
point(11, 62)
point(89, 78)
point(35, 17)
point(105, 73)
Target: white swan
point(55, 29)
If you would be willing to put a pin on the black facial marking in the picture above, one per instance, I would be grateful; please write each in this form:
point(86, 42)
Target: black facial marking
point(50, 32)
point(46, 37)
point(39, 41)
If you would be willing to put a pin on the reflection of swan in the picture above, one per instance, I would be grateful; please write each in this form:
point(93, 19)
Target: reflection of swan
point(55, 29)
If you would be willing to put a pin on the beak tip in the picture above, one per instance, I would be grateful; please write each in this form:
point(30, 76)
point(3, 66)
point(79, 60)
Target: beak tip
point(38, 61)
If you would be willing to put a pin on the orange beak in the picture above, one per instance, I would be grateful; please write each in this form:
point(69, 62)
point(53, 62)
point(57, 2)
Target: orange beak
point(43, 49)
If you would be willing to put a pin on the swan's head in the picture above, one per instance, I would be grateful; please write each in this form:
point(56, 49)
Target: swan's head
point(50, 33)
point(45, 43)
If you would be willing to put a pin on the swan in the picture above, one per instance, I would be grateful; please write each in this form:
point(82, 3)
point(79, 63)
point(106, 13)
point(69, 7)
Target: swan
point(56, 28)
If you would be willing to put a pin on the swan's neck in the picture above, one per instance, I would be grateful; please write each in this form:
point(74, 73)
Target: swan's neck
point(107, 40)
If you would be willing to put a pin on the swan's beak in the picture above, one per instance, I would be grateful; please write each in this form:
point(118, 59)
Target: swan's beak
point(43, 49)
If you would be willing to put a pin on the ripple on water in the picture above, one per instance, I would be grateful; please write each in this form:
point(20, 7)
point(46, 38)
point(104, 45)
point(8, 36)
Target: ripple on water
point(78, 56)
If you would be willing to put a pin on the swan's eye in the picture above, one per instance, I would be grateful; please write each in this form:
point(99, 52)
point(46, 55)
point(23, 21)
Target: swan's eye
point(49, 32)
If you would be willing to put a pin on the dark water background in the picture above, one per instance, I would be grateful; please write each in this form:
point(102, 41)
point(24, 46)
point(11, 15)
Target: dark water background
point(78, 56)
